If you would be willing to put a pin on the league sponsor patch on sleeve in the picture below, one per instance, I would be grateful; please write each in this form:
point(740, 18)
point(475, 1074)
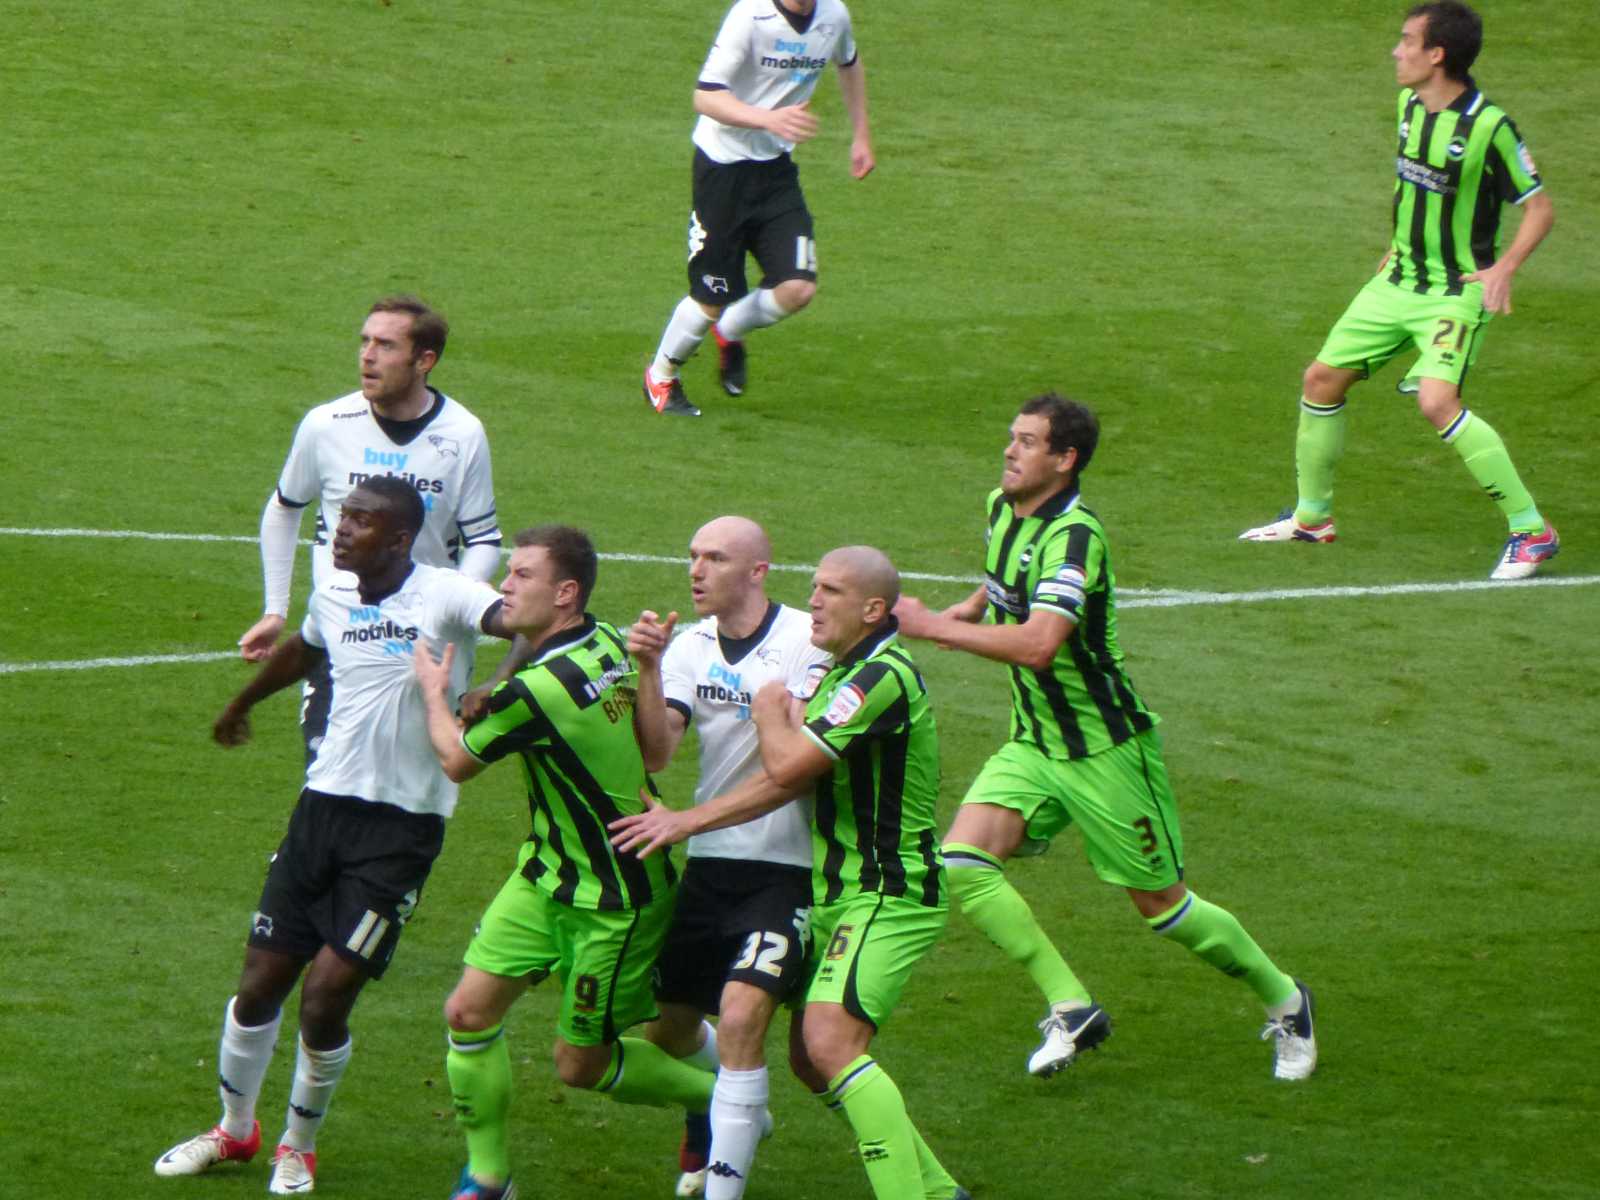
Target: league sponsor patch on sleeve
point(846, 702)
point(1526, 159)
point(814, 675)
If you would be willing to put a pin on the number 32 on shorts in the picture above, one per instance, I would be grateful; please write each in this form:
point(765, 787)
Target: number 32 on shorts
point(763, 952)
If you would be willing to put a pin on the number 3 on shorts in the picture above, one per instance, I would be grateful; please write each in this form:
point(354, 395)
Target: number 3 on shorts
point(763, 952)
point(805, 254)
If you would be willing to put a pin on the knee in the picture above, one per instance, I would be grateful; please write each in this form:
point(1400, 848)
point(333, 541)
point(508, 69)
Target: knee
point(463, 1014)
point(794, 294)
point(1322, 384)
point(581, 1066)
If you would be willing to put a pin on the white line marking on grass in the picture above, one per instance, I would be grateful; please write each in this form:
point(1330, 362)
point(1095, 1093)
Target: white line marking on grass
point(141, 660)
point(1128, 597)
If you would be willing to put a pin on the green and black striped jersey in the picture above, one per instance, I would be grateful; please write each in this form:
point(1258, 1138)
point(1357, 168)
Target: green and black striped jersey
point(1057, 560)
point(568, 715)
point(1455, 169)
point(873, 824)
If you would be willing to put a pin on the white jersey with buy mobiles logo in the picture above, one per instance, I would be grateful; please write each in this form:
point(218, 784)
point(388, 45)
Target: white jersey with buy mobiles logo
point(376, 746)
point(771, 58)
point(443, 454)
point(714, 691)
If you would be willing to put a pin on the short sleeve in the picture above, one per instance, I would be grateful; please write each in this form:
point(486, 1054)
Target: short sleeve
point(864, 704)
point(1070, 567)
point(1510, 165)
point(300, 482)
point(728, 52)
point(475, 516)
point(512, 722)
point(677, 672)
point(464, 603)
point(310, 631)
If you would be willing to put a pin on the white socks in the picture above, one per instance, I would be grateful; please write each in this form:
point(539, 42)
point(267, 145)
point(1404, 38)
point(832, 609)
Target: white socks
point(242, 1060)
point(756, 310)
point(738, 1115)
point(706, 1057)
point(316, 1074)
point(683, 335)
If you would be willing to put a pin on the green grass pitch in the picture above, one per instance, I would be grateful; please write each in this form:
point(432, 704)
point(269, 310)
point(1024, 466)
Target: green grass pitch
point(1159, 208)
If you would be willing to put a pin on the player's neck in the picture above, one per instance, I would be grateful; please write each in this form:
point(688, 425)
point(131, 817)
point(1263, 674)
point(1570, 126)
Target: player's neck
point(559, 625)
point(409, 407)
point(385, 582)
point(1026, 507)
point(1440, 92)
point(745, 617)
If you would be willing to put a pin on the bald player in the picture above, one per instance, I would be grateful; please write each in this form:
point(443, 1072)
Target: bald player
point(866, 741)
point(737, 943)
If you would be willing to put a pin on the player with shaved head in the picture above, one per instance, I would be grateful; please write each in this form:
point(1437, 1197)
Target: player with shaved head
point(737, 944)
point(866, 742)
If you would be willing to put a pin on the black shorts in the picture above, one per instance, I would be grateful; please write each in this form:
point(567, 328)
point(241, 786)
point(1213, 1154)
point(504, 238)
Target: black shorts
point(747, 207)
point(735, 920)
point(347, 875)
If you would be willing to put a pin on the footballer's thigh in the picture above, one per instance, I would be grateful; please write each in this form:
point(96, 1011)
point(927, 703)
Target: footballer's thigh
point(717, 232)
point(1122, 801)
point(864, 950)
point(1370, 332)
point(1016, 796)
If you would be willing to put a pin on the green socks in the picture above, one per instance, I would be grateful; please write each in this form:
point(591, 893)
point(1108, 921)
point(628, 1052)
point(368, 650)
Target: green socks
point(1318, 447)
point(1485, 454)
point(1215, 935)
point(884, 1136)
point(479, 1066)
point(993, 905)
point(643, 1073)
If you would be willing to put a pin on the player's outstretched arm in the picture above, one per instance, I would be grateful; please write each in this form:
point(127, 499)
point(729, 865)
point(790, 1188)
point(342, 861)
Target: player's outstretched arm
point(289, 663)
point(433, 677)
point(1538, 219)
point(853, 86)
point(659, 826)
point(1032, 644)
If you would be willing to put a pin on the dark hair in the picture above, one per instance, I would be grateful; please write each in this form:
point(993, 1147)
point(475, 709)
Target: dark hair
point(1455, 29)
point(1072, 426)
point(400, 501)
point(429, 329)
point(571, 552)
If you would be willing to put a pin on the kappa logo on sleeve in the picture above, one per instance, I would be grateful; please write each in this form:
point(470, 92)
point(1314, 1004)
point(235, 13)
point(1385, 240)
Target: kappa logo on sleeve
point(846, 702)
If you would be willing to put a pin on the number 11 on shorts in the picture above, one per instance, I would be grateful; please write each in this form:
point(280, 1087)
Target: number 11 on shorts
point(805, 254)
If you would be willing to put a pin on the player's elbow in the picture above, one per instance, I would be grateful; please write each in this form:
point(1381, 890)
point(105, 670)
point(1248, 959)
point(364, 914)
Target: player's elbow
point(459, 769)
point(1037, 654)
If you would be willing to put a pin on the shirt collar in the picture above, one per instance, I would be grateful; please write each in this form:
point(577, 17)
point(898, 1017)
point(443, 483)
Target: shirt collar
point(870, 645)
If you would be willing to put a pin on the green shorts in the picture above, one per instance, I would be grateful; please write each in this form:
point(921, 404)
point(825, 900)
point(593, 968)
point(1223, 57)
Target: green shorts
point(863, 949)
point(1120, 798)
point(1384, 320)
point(603, 958)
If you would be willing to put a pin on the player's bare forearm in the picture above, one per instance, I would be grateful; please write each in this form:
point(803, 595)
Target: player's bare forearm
point(444, 733)
point(969, 610)
point(788, 754)
point(658, 727)
point(793, 122)
point(853, 87)
point(1032, 644)
point(290, 662)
